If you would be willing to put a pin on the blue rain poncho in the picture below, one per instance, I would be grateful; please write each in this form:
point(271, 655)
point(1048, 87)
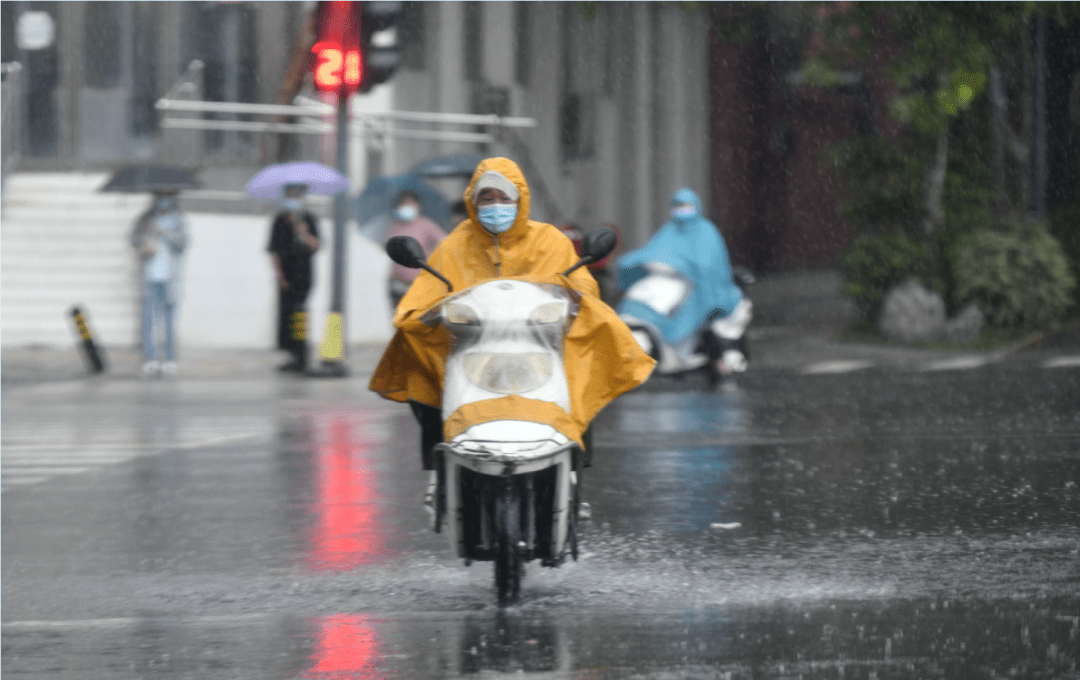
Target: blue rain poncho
point(693, 247)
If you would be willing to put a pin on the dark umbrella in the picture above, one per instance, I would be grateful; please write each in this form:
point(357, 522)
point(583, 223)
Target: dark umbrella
point(454, 165)
point(374, 204)
point(140, 179)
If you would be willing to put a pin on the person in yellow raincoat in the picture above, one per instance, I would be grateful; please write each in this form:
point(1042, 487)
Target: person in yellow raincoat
point(601, 357)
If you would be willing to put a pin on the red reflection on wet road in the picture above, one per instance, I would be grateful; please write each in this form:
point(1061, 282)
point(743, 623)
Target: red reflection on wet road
point(348, 530)
point(346, 646)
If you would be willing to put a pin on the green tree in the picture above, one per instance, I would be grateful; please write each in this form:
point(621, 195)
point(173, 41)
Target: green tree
point(942, 69)
point(945, 178)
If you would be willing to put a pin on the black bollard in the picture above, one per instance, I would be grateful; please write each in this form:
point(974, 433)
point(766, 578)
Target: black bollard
point(97, 365)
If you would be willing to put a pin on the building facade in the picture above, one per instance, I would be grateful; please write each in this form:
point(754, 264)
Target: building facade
point(87, 98)
point(619, 90)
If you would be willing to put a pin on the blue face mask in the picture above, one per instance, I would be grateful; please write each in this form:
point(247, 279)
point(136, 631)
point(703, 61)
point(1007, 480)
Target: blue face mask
point(497, 217)
point(293, 205)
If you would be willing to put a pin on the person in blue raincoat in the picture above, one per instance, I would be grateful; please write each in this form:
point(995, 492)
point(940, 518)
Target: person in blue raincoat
point(693, 247)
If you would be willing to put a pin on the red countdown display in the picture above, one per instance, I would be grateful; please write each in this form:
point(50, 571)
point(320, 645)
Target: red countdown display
point(338, 62)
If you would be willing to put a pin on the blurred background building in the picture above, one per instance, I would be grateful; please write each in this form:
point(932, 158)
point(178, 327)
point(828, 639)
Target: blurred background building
point(631, 101)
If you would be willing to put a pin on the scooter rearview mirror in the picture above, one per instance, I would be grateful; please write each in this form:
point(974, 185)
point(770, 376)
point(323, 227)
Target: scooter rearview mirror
point(407, 251)
point(595, 246)
point(599, 243)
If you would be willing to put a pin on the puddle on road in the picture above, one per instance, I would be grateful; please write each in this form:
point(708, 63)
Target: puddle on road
point(863, 551)
point(899, 639)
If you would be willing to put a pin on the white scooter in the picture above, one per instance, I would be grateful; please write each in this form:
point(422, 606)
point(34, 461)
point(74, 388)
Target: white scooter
point(508, 487)
point(719, 346)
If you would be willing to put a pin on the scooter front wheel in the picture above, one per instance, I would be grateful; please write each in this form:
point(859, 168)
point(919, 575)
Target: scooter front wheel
point(509, 561)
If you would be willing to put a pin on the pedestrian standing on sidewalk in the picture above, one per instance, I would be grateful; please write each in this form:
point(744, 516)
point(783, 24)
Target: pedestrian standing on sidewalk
point(409, 220)
point(160, 237)
point(294, 238)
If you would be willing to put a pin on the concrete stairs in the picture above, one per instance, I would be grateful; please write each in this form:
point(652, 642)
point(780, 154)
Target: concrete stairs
point(63, 244)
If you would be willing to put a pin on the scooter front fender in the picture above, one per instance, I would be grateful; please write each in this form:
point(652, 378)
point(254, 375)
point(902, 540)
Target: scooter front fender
point(507, 465)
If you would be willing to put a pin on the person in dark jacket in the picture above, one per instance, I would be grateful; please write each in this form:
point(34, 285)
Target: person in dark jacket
point(294, 239)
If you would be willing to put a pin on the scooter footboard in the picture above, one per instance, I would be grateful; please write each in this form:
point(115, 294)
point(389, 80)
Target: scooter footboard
point(544, 485)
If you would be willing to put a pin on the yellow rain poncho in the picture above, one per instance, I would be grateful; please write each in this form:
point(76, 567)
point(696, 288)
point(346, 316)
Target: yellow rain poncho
point(601, 357)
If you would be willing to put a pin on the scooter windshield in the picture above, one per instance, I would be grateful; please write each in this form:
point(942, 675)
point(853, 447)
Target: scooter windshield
point(664, 291)
point(507, 339)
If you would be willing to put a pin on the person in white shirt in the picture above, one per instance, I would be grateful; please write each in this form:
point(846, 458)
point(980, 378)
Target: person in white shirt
point(160, 237)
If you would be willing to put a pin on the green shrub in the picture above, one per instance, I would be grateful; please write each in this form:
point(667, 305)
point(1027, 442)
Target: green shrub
point(873, 263)
point(1065, 227)
point(1020, 277)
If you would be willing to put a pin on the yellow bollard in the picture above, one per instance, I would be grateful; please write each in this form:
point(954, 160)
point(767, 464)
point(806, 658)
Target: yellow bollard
point(332, 348)
point(93, 356)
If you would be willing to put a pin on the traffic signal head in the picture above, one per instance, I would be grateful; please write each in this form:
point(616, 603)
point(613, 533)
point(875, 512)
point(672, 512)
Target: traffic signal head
point(350, 53)
point(378, 38)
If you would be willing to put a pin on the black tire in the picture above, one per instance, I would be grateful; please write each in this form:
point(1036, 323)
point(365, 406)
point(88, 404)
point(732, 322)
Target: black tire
point(508, 558)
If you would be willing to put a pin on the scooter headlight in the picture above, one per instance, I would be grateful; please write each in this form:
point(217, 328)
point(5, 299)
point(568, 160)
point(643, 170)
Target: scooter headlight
point(549, 312)
point(460, 315)
point(508, 373)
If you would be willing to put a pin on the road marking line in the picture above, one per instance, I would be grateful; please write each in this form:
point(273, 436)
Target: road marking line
point(58, 470)
point(956, 364)
point(214, 441)
point(147, 448)
point(101, 623)
point(123, 621)
point(836, 367)
point(22, 458)
point(19, 465)
point(71, 447)
point(24, 480)
point(1062, 362)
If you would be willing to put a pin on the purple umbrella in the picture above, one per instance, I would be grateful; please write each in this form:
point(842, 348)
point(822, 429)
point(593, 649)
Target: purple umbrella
point(270, 181)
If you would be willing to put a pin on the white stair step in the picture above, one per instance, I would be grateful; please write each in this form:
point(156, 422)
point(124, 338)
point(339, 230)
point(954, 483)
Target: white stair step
point(77, 282)
point(63, 259)
point(77, 223)
point(16, 249)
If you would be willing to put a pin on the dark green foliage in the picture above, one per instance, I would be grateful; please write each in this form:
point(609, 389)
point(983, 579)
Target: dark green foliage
point(1065, 226)
point(969, 182)
point(873, 263)
point(942, 78)
point(884, 178)
point(1019, 277)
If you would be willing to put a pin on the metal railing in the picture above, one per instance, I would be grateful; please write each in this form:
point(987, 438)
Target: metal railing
point(186, 118)
point(311, 116)
point(10, 117)
point(178, 147)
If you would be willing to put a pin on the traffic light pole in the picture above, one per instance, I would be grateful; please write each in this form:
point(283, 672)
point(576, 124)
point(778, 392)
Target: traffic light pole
point(333, 346)
point(337, 303)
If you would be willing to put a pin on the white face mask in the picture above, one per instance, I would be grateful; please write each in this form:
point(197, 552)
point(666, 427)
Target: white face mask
point(683, 212)
point(407, 212)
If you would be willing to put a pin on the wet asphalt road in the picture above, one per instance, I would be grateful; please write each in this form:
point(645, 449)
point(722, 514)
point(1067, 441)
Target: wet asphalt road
point(884, 523)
